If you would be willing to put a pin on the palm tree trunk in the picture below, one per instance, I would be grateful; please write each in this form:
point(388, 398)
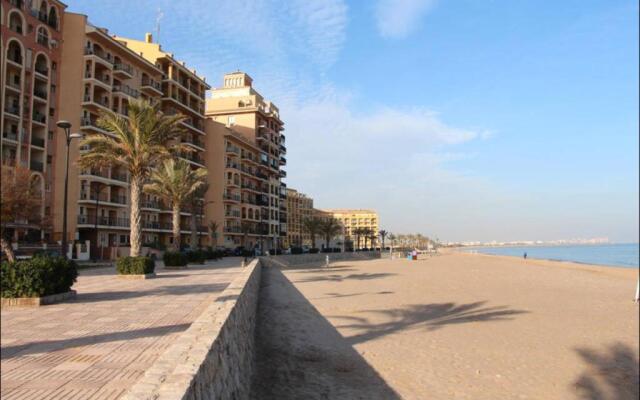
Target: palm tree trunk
point(135, 236)
point(194, 230)
point(7, 250)
point(176, 227)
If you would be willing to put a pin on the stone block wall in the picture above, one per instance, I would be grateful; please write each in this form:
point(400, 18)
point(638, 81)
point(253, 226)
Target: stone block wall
point(213, 359)
point(293, 260)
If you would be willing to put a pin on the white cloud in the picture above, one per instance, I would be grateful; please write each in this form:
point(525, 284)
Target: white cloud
point(398, 18)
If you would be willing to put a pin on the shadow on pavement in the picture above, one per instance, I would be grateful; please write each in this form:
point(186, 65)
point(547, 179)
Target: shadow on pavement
point(300, 355)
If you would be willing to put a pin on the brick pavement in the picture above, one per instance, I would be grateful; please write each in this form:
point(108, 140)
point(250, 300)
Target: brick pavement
point(100, 344)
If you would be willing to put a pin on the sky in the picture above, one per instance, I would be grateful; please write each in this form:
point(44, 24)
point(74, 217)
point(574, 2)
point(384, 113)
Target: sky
point(463, 120)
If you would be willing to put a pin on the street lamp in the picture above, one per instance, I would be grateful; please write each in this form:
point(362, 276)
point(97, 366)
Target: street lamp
point(66, 127)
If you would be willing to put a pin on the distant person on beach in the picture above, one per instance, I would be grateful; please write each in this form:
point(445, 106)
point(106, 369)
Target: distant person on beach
point(525, 255)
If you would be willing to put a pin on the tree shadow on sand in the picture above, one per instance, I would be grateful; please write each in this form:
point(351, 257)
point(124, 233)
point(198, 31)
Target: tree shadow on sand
point(339, 278)
point(426, 316)
point(610, 375)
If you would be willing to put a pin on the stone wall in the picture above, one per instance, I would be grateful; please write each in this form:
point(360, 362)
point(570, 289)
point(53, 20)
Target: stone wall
point(293, 260)
point(213, 359)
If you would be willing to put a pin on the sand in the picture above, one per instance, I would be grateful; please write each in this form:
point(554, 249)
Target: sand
point(454, 326)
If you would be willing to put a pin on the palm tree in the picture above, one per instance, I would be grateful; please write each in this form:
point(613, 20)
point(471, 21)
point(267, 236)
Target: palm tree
point(383, 234)
point(367, 233)
point(175, 182)
point(138, 144)
point(196, 206)
point(312, 227)
point(330, 228)
point(213, 232)
point(357, 232)
point(245, 228)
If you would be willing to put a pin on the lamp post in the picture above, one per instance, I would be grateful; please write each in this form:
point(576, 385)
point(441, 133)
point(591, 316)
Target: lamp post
point(66, 127)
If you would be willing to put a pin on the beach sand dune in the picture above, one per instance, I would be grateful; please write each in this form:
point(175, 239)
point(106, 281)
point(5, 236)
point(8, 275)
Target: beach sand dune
point(454, 326)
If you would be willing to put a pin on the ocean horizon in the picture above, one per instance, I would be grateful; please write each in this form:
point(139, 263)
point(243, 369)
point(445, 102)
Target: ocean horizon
point(622, 255)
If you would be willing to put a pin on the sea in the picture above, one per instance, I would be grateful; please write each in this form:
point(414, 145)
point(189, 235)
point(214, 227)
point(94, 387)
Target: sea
point(616, 255)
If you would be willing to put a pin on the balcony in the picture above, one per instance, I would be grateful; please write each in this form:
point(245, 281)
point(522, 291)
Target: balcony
point(103, 104)
point(103, 221)
point(42, 70)
point(13, 110)
point(283, 174)
point(39, 117)
point(38, 142)
point(10, 136)
point(282, 149)
point(37, 166)
point(151, 86)
point(157, 225)
point(232, 149)
point(104, 59)
point(150, 204)
point(126, 90)
point(193, 141)
point(124, 70)
point(232, 198)
point(41, 93)
point(283, 161)
point(193, 158)
point(197, 127)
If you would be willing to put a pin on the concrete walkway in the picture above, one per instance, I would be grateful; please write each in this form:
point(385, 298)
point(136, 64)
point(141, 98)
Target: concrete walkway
point(100, 344)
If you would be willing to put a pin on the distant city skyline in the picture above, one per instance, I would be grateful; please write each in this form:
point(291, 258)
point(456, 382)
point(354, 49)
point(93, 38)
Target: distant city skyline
point(466, 121)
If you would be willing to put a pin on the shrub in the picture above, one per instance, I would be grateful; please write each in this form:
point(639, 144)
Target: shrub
point(326, 250)
point(314, 250)
point(196, 256)
point(174, 259)
point(296, 250)
point(247, 253)
point(40, 276)
point(135, 265)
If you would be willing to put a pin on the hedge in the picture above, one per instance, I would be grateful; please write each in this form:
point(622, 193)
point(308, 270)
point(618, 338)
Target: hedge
point(174, 259)
point(314, 250)
point(135, 265)
point(37, 277)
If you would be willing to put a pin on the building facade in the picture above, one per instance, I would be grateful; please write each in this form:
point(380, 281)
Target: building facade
point(299, 208)
point(249, 129)
point(352, 219)
point(31, 35)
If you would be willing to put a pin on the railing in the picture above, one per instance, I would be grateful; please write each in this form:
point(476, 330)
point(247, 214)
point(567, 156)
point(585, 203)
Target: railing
point(232, 214)
point(89, 51)
point(37, 166)
point(283, 174)
point(150, 204)
point(43, 39)
point(12, 109)
point(40, 93)
point(157, 225)
point(235, 197)
point(42, 71)
point(124, 68)
point(126, 90)
point(92, 196)
point(39, 117)
point(15, 57)
point(10, 136)
point(118, 199)
point(36, 141)
point(152, 83)
point(233, 149)
point(105, 221)
point(16, 3)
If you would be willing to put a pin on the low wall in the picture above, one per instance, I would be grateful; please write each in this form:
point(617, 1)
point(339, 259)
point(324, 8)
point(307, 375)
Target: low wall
point(293, 260)
point(213, 359)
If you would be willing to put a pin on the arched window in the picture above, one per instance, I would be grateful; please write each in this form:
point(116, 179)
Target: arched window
point(43, 36)
point(16, 22)
point(42, 14)
point(53, 18)
point(42, 64)
point(14, 52)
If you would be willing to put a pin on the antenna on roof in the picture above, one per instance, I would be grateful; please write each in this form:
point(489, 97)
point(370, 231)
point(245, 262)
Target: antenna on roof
point(159, 16)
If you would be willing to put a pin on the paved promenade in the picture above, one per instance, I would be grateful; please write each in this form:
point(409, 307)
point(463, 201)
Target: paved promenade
point(100, 344)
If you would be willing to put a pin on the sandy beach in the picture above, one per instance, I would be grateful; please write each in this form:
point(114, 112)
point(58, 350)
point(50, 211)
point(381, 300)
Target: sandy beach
point(453, 326)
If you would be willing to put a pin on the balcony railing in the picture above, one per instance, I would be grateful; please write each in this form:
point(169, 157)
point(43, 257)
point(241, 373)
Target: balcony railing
point(39, 117)
point(42, 70)
point(36, 141)
point(126, 68)
point(234, 197)
point(152, 83)
point(40, 93)
point(233, 149)
point(37, 166)
point(10, 136)
point(105, 221)
point(157, 225)
point(150, 204)
point(89, 51)
point(129, 91)
point(12, 110)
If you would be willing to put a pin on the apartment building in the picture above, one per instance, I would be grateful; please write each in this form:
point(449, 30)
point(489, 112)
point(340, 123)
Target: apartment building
point(101, 74)
point(257, 130)
point(29, 72)
point(299, 208)
point(353, 219)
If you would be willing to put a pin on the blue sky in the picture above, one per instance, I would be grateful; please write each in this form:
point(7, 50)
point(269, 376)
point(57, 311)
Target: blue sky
point(460, 119)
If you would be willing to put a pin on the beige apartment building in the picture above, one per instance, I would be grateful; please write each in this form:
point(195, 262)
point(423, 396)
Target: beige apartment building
point(352, 219)
point(31, 35)
point(245, 133)
point(299, 208)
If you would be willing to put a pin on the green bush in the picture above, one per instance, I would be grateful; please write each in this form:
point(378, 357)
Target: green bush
point(37, 277)
point(211, 254)
point(174, 259)
point(135, 265)
point(196, 256)
point(314, 250)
